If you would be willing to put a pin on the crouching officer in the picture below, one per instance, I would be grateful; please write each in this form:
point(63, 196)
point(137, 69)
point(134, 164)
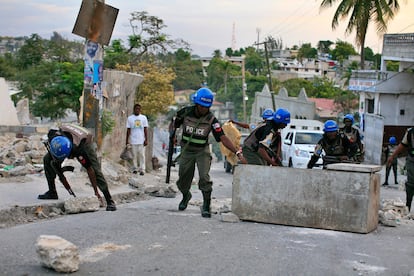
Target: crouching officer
point(72, 141)
point(197, 122)
point(336, 146)
point(256, 147)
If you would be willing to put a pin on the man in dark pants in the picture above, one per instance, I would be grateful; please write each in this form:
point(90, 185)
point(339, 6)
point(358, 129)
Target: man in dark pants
point(391, 147)
point(407, 143)
point(197, 122)
point(72, 141)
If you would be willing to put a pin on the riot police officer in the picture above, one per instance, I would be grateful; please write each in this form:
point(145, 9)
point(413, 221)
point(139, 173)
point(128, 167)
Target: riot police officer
point(353, 135)
point(72, 141)
point(336, 146)
point(256, 147)
point(197, 122)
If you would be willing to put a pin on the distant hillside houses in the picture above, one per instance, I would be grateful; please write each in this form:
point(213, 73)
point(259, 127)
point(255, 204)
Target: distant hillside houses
point(11, 44)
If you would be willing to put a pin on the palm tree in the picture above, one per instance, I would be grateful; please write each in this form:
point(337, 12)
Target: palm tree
point(361, 13)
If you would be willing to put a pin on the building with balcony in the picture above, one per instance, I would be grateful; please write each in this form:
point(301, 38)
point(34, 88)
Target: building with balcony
point(386, 98)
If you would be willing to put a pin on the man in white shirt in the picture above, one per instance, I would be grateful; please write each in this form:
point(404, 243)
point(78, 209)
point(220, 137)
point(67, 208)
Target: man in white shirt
point(137, 125)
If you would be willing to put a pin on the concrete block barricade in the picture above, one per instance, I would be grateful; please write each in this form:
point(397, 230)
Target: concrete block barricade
point(344, 197)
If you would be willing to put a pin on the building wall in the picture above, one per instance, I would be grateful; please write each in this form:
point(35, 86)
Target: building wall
point(299, 108)
point(120, 87)
point(8, 110)
point(398, 47)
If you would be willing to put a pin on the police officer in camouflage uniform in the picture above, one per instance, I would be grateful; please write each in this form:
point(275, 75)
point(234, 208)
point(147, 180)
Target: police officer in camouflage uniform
point(72, 141)
point(353, 135)
point(336, 146)
point(407, 143)
point(256, 147)
point(197, 122)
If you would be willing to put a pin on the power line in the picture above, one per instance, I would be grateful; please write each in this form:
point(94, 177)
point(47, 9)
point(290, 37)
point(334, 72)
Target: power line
point(286, 18)
point(282, 28)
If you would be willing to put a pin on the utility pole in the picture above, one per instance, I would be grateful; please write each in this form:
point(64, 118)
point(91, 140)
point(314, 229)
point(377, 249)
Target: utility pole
point(269, 75)
point(244, 88)
point(92, 92)
point(95, 23)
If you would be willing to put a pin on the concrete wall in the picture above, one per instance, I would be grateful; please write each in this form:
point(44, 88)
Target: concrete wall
point(120, 87)
point(398, 46)
point(25, 130)
point(299, 107)
point(327, 199)
point(9, 114)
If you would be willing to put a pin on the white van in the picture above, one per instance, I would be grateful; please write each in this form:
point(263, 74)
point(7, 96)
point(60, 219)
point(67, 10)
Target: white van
point(299, 139)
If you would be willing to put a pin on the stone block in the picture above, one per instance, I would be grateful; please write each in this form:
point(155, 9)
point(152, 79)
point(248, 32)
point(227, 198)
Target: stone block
point(57, 253)
point(326, 199)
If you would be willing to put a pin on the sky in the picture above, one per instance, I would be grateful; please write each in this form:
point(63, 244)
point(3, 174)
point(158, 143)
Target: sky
point(206, 24)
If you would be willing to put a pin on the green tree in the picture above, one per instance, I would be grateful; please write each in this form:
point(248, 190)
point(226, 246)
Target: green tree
point(369, 54)
point(392, 65)
point(324, 46)
point(217, 54)
point(306, 51)
point(155, 93)
point(254, 61)
point(342, 51)
point(59, 49)
point(52, 88)
point(148, 36)
point(116, 54)
point(8, 69)
point(31, 53)
point(189, 73)
point(360, 13)
point(219, 73)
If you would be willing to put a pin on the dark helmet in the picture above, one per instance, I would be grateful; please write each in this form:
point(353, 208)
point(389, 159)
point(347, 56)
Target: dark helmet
point(267, 114)
point(330, 126)
point(204, 97)
point(392, 140)
point(60, 147)
point(349, 117)
point(281, 116)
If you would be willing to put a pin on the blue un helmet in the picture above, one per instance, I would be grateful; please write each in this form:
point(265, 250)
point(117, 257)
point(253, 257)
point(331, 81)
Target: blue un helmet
point(267, 114)
point(204, 97)
point(349, 117)
point(330, 126)
point(281, 116)
point(392, 140)
point(60, 147)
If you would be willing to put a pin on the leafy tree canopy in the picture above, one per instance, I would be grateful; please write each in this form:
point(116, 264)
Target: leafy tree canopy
point(155, 93)
point(343, 50)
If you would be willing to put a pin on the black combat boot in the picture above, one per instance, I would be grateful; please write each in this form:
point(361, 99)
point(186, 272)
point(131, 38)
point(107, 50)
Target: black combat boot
point(110, 204)
point(205, 209)
point(184, 202)
point(51, 194)
point(48, 195)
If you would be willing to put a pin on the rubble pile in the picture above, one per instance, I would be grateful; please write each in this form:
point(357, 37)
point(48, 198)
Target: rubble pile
point(21, 155)
point(392, 212)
